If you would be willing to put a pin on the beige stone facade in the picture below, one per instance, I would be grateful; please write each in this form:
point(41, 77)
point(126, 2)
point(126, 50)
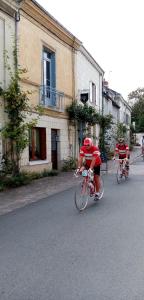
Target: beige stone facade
point(37, 31)
point(39, 34)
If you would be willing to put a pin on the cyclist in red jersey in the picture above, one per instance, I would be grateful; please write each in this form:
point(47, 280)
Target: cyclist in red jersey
point(91, 155)
point(122, 150)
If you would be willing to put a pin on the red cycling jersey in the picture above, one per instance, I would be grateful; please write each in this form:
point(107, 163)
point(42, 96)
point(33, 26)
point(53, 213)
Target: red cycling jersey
point(122, 150)
point(88, 154)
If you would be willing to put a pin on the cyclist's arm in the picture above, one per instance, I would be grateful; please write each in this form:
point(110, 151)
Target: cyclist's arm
point(116, 151)
point(127, 152)
point(92, 163)
point(80, 162)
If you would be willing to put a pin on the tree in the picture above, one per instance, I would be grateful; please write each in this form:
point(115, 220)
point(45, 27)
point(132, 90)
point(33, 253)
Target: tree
point(138, 109)
point(121, 130)
point(105, 123)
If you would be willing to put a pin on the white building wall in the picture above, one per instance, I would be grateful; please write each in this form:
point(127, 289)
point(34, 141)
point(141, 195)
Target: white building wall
point(86, 73)
point(108, 108)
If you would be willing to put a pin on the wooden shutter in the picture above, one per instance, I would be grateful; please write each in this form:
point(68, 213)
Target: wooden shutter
point(42, 143)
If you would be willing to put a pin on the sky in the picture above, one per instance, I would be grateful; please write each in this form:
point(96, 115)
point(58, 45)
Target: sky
point(112, 31)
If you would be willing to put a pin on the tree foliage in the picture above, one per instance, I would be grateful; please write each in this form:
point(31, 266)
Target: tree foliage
point(83, 113)
point(105, 124)
point(138, 109)
point(121, 130)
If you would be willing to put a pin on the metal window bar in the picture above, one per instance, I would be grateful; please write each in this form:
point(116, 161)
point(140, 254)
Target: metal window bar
point(51, 98)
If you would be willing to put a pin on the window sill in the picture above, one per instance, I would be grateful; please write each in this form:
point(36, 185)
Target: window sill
point(37, 162)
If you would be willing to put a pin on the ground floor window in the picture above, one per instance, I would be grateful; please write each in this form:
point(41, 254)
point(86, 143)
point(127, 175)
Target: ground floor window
point(37, 143)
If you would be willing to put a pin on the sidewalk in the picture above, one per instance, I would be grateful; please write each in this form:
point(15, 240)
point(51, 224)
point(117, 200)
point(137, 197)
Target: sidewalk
point(38, 189)
point(44, 187)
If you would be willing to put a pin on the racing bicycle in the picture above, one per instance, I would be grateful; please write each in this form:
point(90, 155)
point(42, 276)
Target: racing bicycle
point(85, 190)
point(122, 170)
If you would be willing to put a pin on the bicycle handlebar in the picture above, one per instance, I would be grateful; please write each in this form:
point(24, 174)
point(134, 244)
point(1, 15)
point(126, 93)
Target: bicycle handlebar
point(77, 174)
point(120, 159)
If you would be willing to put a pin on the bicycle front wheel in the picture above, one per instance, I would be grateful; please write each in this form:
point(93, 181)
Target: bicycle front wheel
point(81, 196)
point(101, 191)
point(119, 174)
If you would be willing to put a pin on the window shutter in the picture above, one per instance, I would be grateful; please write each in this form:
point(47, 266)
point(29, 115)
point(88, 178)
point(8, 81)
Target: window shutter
point(43, 143)
point(90, 87)
point(53, 78)
point(53, 71)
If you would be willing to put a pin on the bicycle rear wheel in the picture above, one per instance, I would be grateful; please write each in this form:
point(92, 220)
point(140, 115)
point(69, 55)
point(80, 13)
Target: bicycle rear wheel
point(81, 197)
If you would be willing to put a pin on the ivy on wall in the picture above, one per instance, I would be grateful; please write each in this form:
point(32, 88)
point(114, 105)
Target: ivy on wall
point(16, 104)
point(85, 114)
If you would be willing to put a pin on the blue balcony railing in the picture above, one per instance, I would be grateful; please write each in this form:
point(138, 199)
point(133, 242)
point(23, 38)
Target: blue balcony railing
point(51, 98)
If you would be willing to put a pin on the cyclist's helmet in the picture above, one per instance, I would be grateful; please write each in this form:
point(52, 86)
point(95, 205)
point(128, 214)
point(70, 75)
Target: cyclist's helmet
point(121, 140)
point(87, 142)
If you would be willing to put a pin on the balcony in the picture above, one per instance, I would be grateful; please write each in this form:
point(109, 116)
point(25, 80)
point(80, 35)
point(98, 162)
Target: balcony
point(51, 98)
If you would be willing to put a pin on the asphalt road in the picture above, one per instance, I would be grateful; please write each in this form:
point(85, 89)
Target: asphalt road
point(48, 251)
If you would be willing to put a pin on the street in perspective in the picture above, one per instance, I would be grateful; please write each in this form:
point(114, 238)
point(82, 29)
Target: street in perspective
point(51, 251)
point(71, 150)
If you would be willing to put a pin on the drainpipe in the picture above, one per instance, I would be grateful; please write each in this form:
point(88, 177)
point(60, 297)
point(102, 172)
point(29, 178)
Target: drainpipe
point(73, 71)
point(73, 92)
point(102, 94)
point(17, 19)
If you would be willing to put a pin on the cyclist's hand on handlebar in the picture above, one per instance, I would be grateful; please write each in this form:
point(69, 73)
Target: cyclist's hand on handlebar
point(77, 170)
point(90, 172)
point(114, 158)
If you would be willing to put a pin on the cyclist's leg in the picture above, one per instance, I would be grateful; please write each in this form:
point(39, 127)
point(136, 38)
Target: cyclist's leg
point(127, 168)
point(97, 178)
point(98, 183)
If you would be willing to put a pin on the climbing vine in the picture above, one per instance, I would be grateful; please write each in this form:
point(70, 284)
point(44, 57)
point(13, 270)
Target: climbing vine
point(16, 106)
point(85, 114)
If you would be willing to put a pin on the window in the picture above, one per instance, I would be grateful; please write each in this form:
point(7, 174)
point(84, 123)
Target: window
point(92, 93)
point(127, 119)
point(49, 78)
point(37, 143)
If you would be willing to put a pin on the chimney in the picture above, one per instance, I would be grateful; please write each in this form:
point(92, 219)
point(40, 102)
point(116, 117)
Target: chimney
point(105, 83)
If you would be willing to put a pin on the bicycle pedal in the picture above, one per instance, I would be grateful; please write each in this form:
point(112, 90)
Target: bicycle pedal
point(96, 198)
point(92, 194)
